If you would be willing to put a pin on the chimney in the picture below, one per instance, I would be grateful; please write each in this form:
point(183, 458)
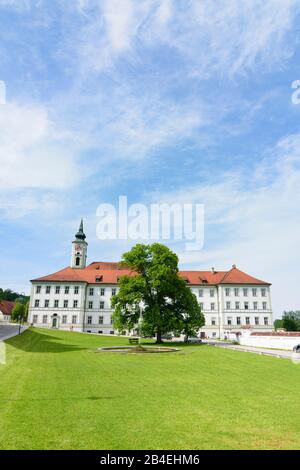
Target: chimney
point(234, 266)
point(213, 270)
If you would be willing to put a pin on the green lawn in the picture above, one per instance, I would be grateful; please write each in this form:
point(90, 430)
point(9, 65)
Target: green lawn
point(56, 392)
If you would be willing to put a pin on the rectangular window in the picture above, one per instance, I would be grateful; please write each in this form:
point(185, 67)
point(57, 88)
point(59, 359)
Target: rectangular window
point(89, 320)
point(75, 304)
point(38, 289)
point(227, 291)
point(37, 303)
point(100, 320)
point(102, 291)
point(74, 319)
point(213, 321)
point(113, 291)
point(44, 318)
point(245, 291)
point(228, 305)
point(57, 289)
point(246, 305)
point(236, 292)
point(255, 305)
point(200, 292)
point(214, 334)
point(46, 303)
point(212, 293)
point(48, 289)
point(56, 303)
point(229, 321)
point(91, 291)
point(66, 303)
point(64, 319)
point(247, 320)
point(101, 304)
point(237, 305)
point(201, 305)
point(254, 292)
point(264, 305)
point(238, 320)
point(263, 292)
point(256, 319)
point(212, 306)
point(35, 319)
point(67, 289)
point(266, 320)
point(76, 290)
point(90, 304)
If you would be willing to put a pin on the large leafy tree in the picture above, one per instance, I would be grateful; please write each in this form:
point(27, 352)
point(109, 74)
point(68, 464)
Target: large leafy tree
point(167, 303)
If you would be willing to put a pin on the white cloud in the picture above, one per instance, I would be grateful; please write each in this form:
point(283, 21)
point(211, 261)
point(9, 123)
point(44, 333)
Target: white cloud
point(39, 162)
point(224, 37)
point(229, 37)
point(141, 125)
point(16, 204)
point(253, 221)
point(110, 30)
point(33, 152)
point(18, 4)
point(118, 17)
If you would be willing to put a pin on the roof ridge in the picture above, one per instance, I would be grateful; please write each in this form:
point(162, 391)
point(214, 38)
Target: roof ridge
point(225, 275)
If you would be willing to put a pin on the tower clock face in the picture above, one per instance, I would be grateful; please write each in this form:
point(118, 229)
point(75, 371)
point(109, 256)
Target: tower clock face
point(78, 248)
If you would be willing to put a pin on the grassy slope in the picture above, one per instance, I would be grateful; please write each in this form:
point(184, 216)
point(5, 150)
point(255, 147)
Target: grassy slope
point(56, 392)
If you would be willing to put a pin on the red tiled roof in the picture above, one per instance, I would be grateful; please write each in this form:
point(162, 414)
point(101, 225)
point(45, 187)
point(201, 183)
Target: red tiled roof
point(236, 276)
point(203, 277)
point(6, 307)
point(109, 273)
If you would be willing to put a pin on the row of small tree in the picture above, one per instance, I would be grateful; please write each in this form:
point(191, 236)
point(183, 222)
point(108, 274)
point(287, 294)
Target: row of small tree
point(8, 294)
point(290, 321)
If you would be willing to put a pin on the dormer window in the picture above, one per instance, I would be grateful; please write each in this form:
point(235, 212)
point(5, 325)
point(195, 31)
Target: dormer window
point(99, 278)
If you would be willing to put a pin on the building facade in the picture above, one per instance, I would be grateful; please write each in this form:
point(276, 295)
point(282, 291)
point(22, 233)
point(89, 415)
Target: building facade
point(78, 297)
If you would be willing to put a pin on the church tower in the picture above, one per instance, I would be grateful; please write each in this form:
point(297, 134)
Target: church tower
point(79, 249)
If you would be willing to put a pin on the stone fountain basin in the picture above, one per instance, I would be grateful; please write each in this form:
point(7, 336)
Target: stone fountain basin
point(139, 349)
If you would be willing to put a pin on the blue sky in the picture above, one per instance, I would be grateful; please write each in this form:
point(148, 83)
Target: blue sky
point(159, 100)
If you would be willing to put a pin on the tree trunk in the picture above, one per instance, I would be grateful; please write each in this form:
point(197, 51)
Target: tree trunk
point(158, 336)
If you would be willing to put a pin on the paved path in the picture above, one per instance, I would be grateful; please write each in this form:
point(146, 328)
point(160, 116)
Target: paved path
point(7, 331)
point(264, 351)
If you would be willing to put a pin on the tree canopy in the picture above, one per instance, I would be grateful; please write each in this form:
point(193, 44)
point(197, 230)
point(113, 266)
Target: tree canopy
point(278, 324)
point(155, 294)
point(8, 294)
point(20, 312)
point(291, 320)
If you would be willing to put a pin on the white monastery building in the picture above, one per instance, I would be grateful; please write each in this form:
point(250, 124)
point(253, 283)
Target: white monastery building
point(78, 297)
